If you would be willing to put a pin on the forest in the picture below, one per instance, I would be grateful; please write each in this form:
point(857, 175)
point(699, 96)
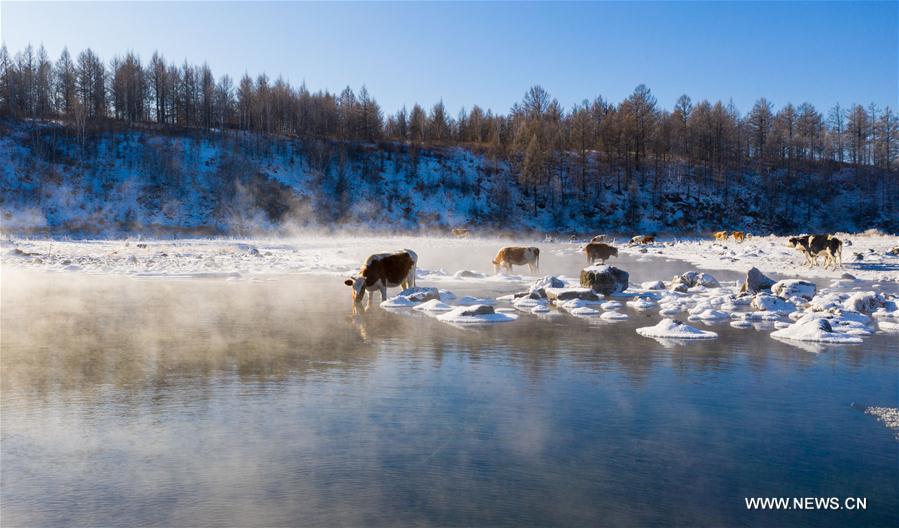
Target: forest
point(794, 158)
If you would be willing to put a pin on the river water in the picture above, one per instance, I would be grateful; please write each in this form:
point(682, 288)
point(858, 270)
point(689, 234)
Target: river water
point(267, 401)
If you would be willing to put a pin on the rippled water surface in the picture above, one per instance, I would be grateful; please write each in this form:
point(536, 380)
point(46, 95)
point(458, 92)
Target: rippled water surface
point(268, 402)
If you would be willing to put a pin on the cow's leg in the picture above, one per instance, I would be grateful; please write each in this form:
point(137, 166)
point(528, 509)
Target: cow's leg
point(383, 293)
point(371, 296)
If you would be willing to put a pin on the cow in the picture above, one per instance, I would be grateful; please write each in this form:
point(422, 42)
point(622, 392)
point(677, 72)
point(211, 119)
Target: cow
point(461, 232)
point(643, 239)
point(720, 236)
point(738, 236)
point(599, 238)
point(599, 251)
point(518, 256)
point(813, 246)
point(382, 271)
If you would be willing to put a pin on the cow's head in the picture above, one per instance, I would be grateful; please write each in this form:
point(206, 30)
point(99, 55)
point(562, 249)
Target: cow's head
point(794, 242)
point(358, 285)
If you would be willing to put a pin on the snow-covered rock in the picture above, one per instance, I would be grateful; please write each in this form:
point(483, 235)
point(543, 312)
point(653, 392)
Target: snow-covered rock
point(566, 294)
point(794, 288)
point(770, 303)
point(476, 314)
point(613, 316)
point(693, 279)
point(864, 302)
point(468, 274)
point(709, 315)
point(642, 303)
point(433, 305)
point(419, 295)
point(756, 281)
point(548, 281)
point(473, 301)
point(604, 279)
point(672, 329)
point(817, 330)
point(653, 285)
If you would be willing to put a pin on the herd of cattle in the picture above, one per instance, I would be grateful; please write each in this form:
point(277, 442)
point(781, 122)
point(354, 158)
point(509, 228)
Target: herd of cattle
point(389, 270)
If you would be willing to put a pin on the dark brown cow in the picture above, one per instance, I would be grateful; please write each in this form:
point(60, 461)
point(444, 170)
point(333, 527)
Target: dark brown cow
point(519, 256)
point(382, 271)
point(598, 251)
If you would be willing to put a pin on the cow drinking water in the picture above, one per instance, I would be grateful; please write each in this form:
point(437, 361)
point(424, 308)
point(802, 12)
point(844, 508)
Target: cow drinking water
point(518, 256)
point(382, 271)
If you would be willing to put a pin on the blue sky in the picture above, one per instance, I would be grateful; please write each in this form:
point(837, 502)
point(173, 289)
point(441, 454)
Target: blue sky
point(490, 53)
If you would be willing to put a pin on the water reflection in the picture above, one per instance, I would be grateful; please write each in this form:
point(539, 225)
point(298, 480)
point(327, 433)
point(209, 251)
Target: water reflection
point(238, 403)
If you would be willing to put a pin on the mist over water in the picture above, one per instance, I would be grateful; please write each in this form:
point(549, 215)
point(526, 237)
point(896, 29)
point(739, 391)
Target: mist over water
point(267, 401)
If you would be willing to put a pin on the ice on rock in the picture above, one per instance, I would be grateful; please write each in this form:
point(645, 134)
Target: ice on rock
point(610, 305)
point(475, 314)
point(741, 323)
point(653, 285)
point(888, 327)
point(539, 309)
point(672, 329)
point(613, 316)
point(434, 305)
point(816, 330)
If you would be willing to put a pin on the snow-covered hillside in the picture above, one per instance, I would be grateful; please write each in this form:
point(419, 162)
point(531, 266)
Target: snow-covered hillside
point(122, 182)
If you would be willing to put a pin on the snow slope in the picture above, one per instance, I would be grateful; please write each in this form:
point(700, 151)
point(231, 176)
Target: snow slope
point(125, 182)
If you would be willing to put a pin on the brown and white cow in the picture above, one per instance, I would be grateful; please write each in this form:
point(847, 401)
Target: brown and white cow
point(599, 238)
point(599, 251)
point(720, 236)
point(643, 239)
point(518, 256)
point(738, 236)
point(461, 232)
point(382, 271)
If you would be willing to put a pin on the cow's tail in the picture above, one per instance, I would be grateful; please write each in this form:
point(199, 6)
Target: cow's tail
point(537, 261)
